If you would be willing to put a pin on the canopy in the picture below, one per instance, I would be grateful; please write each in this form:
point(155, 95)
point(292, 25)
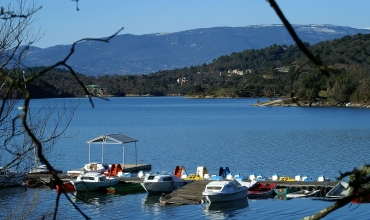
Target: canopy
point(113, 139)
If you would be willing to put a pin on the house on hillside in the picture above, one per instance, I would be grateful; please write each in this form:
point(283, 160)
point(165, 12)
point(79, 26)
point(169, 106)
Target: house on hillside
point(182, 80)
point(236, 71)
point(96, 90)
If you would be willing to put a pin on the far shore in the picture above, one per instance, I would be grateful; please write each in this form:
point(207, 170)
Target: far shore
point(288, 102)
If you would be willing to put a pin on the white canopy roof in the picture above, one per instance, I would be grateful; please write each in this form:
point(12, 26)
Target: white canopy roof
point(112, 138)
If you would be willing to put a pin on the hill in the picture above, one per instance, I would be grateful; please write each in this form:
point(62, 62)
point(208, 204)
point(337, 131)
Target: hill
point(273, 71)
point(149, 53)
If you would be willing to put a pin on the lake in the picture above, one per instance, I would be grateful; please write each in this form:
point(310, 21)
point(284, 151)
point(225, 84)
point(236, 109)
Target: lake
point(211, 132)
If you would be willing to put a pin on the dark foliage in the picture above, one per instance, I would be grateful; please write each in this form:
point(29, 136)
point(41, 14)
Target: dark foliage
point(250, 73)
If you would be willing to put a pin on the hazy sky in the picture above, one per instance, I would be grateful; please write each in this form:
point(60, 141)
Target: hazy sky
point(61, 23)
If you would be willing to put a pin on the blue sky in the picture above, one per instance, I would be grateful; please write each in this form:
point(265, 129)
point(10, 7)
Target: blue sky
point(61, 23)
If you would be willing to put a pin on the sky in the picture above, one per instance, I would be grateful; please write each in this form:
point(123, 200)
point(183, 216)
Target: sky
point(60, 23)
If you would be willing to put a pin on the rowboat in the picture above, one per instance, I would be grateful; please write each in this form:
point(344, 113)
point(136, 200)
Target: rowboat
point(340, 190)
point(261, 189)
point(302, 193)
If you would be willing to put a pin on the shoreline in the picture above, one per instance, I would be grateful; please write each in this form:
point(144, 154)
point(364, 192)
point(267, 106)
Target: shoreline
point(288, 103)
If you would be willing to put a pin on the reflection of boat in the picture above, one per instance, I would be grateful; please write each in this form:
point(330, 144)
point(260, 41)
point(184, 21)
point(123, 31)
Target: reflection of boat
point(261, 189)
point(222, 191)
point(93, 198)
point(43, 170)
point(340, 190)
point(284, 190)
point(94, 181)
point(281, 197)
point(11, 177)
point(163, 183)
point(151, 199)
point(230, 205)
point(303, 193)
point(126, 188)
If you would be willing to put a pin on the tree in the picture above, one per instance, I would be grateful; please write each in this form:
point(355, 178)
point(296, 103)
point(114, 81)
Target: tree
point(28, 135)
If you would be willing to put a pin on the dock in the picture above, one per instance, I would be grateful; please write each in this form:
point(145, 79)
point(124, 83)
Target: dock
point(191, 193)
point(39, 180)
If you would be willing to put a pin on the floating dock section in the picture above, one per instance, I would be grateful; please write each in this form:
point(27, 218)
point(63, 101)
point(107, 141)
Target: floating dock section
point(191, 193)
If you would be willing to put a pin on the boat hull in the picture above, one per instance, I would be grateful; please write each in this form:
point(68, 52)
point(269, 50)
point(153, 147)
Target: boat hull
point(94, 186)
point(302, 193)
point(225, 197)
point(340, 190)
point(162, 187)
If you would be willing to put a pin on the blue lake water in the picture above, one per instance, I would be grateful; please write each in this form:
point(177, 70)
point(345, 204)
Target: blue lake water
point(212, 132)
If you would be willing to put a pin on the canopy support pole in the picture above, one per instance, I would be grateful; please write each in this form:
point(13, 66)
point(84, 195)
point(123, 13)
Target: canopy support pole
point(89, 153)
point(102, 153)
point(135, 153)
point(123, 155)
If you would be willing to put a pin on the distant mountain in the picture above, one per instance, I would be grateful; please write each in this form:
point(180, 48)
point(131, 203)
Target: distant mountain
point(143, 54)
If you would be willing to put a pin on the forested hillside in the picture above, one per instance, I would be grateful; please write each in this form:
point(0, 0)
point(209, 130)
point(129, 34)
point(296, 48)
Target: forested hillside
point(251, 73)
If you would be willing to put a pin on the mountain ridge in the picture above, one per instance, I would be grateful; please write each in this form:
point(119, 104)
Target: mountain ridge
point(143, 54)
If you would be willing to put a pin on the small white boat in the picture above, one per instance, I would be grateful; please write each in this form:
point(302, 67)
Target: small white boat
point(340, 190)
point(222, 191)
point(323, 178)
point(302, 193)
point(162, 183)
point(260, 177)
point(11, 177)
point(43, 170)
point(92, 181)
point(90, 167)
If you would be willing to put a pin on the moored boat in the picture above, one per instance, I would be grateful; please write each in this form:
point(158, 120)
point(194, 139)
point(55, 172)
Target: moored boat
point(223, 191)
point(42, 169)
point(261, 189)
point(11, 177)
point(92, 181)
point(303, 193)
point(260, 177)
point(201, 174)
point(340, 190)
point(90, 167)
point(163, 182)
point(286, 178)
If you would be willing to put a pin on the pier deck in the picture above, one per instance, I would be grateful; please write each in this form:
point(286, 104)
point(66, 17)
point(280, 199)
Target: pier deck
point(191, 193)
point(37, 180)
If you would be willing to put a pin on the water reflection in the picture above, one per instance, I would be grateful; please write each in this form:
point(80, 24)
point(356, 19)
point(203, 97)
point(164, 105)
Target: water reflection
point(281, 197)
point(10, 191)
point(225, 210)
point(151, 199)
point(93, 198)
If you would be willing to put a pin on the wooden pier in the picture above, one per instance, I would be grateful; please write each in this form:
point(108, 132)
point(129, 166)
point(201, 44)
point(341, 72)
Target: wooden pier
point(39, 180)
point(192, 192)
